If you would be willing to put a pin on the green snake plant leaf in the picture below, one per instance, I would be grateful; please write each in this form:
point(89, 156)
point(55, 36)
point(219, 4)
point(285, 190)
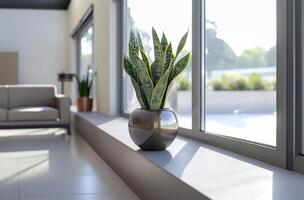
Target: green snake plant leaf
point(145, 58)
point(151, 82)
point(160, 90)
point(164, 42)
point(144, 77)
point(133, 46)
point(85, 83)
point(128, 66)
point(139, 95)
point(144, 99)
point(156, 67)
point(157, 46)
point(165, 95)
point(169, 56)
point(180, 66)
point(156, 71)
point(169, 85)
point(141, 46)
point(181, 44)
point(143, 53)
point(130, 70)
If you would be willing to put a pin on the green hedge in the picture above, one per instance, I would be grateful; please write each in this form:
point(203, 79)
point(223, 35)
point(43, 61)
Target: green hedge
point(237, 82)
point(183, 82)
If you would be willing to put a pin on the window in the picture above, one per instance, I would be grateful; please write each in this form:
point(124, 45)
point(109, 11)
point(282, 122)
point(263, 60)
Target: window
point(240, 69)
point(84, 38)
point(140, 16)
point(243, 61)
point(85, 48)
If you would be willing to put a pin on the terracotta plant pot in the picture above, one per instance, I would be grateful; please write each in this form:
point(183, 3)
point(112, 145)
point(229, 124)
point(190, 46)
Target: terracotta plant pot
point(84, 104)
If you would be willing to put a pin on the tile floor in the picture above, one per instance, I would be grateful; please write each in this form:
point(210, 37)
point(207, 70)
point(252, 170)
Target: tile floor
point(46, 164)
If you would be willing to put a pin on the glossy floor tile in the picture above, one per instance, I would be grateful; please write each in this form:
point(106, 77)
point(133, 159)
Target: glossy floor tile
point(46, 164)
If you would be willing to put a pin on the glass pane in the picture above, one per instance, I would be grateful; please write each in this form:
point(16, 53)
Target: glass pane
point(143, 15)
point(86, 55)
point(86, 50)
point(240, 69)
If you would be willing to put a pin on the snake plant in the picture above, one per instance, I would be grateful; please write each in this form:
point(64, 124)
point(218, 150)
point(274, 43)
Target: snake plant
point(152, 80)
point(85, 83)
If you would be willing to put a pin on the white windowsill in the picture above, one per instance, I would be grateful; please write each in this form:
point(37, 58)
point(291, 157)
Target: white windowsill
point(216, 173)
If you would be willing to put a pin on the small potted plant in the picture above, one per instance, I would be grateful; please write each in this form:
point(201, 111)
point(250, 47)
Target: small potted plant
point(84, 101)
point(153, 127)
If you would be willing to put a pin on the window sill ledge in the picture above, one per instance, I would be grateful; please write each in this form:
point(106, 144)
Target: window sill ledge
point(213, 172)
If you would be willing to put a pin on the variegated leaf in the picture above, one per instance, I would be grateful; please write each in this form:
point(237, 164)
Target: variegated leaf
point(139, 95)
point(160, 74)
point(133, 46)
point(180, 66)
point(168, 58)
point(164, 42)
point(141, 46)
point(157, 66)
point(145, 99)
point(171, 65)
point(165, 95)
point(181, 44)
point(157, 46)
point(160, 90)
point(145, 58)
point(156, 71)
point(144, 77)
point(143, 53)
point(128, 66)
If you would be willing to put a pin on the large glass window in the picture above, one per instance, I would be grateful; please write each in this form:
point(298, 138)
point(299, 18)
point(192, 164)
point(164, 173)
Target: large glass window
point(240, 87)
point(85, 49)
point(240, 69)
point(175, 19)
point(84, 38)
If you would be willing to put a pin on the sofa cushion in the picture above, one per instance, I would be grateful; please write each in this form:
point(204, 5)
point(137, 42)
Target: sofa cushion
point(3, 97)
point(42, 113)
point(3, 115)
point(31, 96)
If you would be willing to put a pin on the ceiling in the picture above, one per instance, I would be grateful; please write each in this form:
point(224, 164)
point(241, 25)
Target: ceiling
point(35, 4)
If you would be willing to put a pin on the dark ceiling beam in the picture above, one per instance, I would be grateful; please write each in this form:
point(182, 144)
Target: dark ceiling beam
point(35, 4)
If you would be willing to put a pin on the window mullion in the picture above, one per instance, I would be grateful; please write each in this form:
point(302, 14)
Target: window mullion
point(197, 53)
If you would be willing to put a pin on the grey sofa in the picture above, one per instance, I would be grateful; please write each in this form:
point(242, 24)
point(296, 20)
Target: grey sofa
point(33, 106)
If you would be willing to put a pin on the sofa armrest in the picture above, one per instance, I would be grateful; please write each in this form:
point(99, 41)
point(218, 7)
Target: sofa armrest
point(63, 105)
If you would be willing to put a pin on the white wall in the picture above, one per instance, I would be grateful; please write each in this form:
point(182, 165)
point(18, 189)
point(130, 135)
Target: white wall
point(41, 39)
point(105, 48)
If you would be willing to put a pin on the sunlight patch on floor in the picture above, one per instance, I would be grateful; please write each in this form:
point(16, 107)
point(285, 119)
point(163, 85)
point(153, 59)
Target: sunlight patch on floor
point(15, 164)
point(31, 132)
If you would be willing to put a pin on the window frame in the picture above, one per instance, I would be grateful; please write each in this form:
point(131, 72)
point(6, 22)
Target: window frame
point(279, 155)
point(298, 141)
point(123, 47)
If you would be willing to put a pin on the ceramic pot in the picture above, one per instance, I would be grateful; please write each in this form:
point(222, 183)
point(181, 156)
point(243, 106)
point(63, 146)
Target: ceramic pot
point(84, 104)
point(153, 130)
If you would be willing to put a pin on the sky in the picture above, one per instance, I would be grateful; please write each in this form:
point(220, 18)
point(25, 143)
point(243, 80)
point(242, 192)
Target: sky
point(241, 23)
point(171, 16)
